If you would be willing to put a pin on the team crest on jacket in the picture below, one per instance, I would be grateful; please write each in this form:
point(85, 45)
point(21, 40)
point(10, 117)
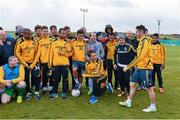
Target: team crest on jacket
point(125, 49)
point(9, 42)
point(33, 43)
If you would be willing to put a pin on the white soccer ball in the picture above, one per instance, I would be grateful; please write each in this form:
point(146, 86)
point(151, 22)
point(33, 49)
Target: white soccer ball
point(75, 92)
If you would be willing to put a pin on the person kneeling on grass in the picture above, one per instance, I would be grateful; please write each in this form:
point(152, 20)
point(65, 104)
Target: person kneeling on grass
point(12, 79)
point(95, 72)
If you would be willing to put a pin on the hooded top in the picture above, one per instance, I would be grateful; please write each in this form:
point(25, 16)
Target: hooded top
point(108, 26)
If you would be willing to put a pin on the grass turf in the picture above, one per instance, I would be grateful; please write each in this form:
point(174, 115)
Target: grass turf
point(168, 104)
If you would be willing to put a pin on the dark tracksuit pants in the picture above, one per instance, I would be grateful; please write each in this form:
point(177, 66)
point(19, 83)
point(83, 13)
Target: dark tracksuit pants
point(97, 90)
point(45, 70)
point(35, 77)
point(110, 71)
point(123, 78)
point(59, 71)
point(71, 71)
point(105, 64)
point(157, 70)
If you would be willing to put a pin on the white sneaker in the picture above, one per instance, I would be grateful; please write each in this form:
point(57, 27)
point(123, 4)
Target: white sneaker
point(125, 104)
point(150, 109)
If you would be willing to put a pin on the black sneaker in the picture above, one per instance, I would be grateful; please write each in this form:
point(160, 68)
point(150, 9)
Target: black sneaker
point(53, 95)
point(37, 96)
point(44, 93)
point(28, 96)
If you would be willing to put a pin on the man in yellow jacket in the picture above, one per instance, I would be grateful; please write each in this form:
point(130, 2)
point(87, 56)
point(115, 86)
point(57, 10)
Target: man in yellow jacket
point(12, 78)
point(78, 58)
point(59, 62)
point(110, 46)
point(158, 60)
point(143, 71)
point(70, 39)
point(26, 50)
point(38, 32)
point(44, 53)
point(95, 72)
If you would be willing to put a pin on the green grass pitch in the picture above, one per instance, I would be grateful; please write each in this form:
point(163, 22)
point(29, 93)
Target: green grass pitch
point(168, 104)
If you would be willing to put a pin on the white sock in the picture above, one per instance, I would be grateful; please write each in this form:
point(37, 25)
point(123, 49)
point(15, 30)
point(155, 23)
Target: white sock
point(152, 105)
point(76, 81)
point(36, 92)
point(129, 100)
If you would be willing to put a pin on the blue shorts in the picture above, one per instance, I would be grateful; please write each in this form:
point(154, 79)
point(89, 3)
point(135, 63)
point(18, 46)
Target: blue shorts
point(142, 76)
point(79, 65)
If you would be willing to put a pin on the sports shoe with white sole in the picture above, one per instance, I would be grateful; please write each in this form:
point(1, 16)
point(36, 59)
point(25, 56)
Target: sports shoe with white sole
point(125, 104)
point(150, 109)
point(109, 88)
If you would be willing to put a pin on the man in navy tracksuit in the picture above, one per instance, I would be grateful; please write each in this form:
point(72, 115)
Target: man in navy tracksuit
point(6, 47)
point(122, 57)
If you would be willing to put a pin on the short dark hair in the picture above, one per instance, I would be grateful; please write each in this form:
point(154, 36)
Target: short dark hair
point(141, 27)
point(52, 26)
point(44, 27)
point(156, 34)
point(146, 30)
point(66, 28)
point(37, 27)
point(26, 30)
point(91, 52)
point(80, 31)
point(60, 29)
point(1, 28)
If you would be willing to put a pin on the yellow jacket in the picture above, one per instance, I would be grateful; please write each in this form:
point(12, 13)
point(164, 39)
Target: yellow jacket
point(79, 50)
point(21, 76)
point(158, 53)
point(44, 49)
point(149, 38)
point(94, 69)
point(60, 53)
point(144, 55)
point(37, 38)
point(110, 45)
point(26, 51)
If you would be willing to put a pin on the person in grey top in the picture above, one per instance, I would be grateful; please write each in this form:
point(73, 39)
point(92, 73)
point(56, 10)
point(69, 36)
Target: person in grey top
point(94, 45)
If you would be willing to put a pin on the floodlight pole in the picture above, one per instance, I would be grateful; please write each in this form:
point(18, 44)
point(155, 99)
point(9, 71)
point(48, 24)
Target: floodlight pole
point(84, 11)
point(159, 24)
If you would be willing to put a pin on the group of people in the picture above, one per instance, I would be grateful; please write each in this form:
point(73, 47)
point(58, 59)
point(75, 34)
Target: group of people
point(34, 62)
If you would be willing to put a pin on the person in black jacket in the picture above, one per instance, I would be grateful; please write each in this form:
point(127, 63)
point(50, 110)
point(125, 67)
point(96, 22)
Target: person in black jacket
point(130, 39)
point(7, 45)
point(122, 57)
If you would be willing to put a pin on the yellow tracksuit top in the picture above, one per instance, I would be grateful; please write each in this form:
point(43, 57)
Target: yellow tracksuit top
point(79, 50)
point(37, 38)
point(158, 53)
point(144, 55)
point(110, 45)
point(26, 52)
point(94, 68)
point(149, 38)
point(44, 49)
point(21, 76)
point(60, 53)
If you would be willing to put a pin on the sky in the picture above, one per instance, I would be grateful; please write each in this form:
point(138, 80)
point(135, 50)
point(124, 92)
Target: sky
point(123, 15)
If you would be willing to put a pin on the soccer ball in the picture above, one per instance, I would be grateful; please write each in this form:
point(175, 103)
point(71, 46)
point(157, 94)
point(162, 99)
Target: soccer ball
point(75, 92)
